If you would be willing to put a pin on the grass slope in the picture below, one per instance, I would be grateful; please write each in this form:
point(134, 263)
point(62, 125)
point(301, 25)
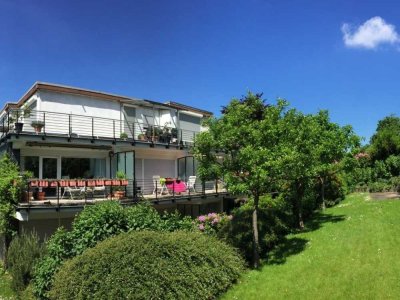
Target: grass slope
point(350, 251)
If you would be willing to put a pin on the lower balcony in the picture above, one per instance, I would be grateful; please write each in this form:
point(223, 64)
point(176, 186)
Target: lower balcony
point(79, 192)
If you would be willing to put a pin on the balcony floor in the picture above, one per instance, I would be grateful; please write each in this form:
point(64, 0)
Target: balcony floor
point(53, 202)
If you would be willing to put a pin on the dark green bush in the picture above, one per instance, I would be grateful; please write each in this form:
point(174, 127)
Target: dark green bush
point(272, 220)
point(94, 224)
point(380, 186)
point(24, 250)
point(175, 221)
point(59, 247)
point(150, 265)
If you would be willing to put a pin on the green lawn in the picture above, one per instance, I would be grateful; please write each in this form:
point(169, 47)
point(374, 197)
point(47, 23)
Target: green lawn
point(352, 251)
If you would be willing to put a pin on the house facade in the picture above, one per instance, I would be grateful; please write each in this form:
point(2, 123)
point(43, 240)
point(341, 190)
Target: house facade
point(83, 146)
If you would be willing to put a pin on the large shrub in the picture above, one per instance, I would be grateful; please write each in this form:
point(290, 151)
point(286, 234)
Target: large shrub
point(272, 221)
point(97, 223)
point(11, 185)
point(150, 265)
point(24, 250)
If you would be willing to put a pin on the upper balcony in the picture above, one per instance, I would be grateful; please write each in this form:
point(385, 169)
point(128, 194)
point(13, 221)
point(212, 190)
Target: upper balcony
point(74, 126)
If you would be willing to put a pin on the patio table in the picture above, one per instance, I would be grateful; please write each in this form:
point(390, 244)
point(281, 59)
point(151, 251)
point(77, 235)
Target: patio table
point(177, 186)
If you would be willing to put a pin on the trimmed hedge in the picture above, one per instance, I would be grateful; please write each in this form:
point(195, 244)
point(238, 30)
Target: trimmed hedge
point(94, 224)
point(150, 265)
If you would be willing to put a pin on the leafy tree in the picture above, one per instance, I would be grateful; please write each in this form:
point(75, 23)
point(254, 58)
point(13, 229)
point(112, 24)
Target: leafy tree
point(260, 148)
point(247, 136)
point(386, 140)
point(334, 148)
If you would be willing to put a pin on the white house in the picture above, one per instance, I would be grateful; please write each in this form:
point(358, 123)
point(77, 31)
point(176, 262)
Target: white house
point(68, 137)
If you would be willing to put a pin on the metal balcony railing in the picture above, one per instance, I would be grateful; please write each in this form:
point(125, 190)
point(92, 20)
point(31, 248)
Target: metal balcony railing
point(81, 126)
point(66, 192)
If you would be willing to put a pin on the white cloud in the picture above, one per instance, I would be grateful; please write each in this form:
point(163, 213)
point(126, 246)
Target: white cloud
point(371, 34)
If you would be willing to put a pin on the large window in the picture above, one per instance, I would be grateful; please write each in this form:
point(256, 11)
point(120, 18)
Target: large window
point(72, 167)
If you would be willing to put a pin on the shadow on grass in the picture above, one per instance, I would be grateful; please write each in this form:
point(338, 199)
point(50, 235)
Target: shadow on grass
point(319, 219)
point(288, 247)
point(295, 245)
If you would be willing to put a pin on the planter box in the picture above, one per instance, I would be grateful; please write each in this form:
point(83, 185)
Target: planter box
point(34, 183)
point(54, 184)
point(43, 183)
point(81, 183)
point(63, 183)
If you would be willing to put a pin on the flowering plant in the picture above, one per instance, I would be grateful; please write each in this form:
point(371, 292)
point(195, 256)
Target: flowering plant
point(211, 222)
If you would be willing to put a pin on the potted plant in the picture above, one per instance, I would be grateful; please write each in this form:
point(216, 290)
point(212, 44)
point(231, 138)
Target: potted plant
point(17, 116)
point(157, 133)
point(37, 125)
point(119, 191)
point(174, 135)
point(149, 133)
point(141, 137)
point(41, 195)
point(123, 136)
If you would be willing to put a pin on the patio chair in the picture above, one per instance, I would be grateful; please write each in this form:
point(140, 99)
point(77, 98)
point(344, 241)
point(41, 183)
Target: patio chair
point(191, 183)
point(157, 185)
point(99, 190)
point(77, 192)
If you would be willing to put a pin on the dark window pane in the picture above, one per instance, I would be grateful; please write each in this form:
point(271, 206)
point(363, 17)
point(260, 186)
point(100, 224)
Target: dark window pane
point(49, 168)
point(72, 167)
point(32, 165)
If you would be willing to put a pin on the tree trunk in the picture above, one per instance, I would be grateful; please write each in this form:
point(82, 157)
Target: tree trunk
point(297, 211)
point(323, 206)
point(256, 243)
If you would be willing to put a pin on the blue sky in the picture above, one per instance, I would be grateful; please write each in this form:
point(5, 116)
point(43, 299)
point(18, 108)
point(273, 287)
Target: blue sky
point(203, 53)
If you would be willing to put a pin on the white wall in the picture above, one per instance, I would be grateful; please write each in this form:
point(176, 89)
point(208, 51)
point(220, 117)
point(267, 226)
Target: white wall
point(80, 105)
point(60, 105)
point(87, 116)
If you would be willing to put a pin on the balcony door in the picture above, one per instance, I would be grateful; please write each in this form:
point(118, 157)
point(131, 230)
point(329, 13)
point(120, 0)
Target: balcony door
point(50, 169)
point(130, 118)
point(126, 164)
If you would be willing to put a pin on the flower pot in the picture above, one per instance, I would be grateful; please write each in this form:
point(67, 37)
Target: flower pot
point(38, 129)
point(41, 195)
point(119, 194)
point(18, 127)
point(28, 196)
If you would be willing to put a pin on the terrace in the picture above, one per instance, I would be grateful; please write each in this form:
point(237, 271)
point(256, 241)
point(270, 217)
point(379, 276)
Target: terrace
point(72, 126)
point(78, 192)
